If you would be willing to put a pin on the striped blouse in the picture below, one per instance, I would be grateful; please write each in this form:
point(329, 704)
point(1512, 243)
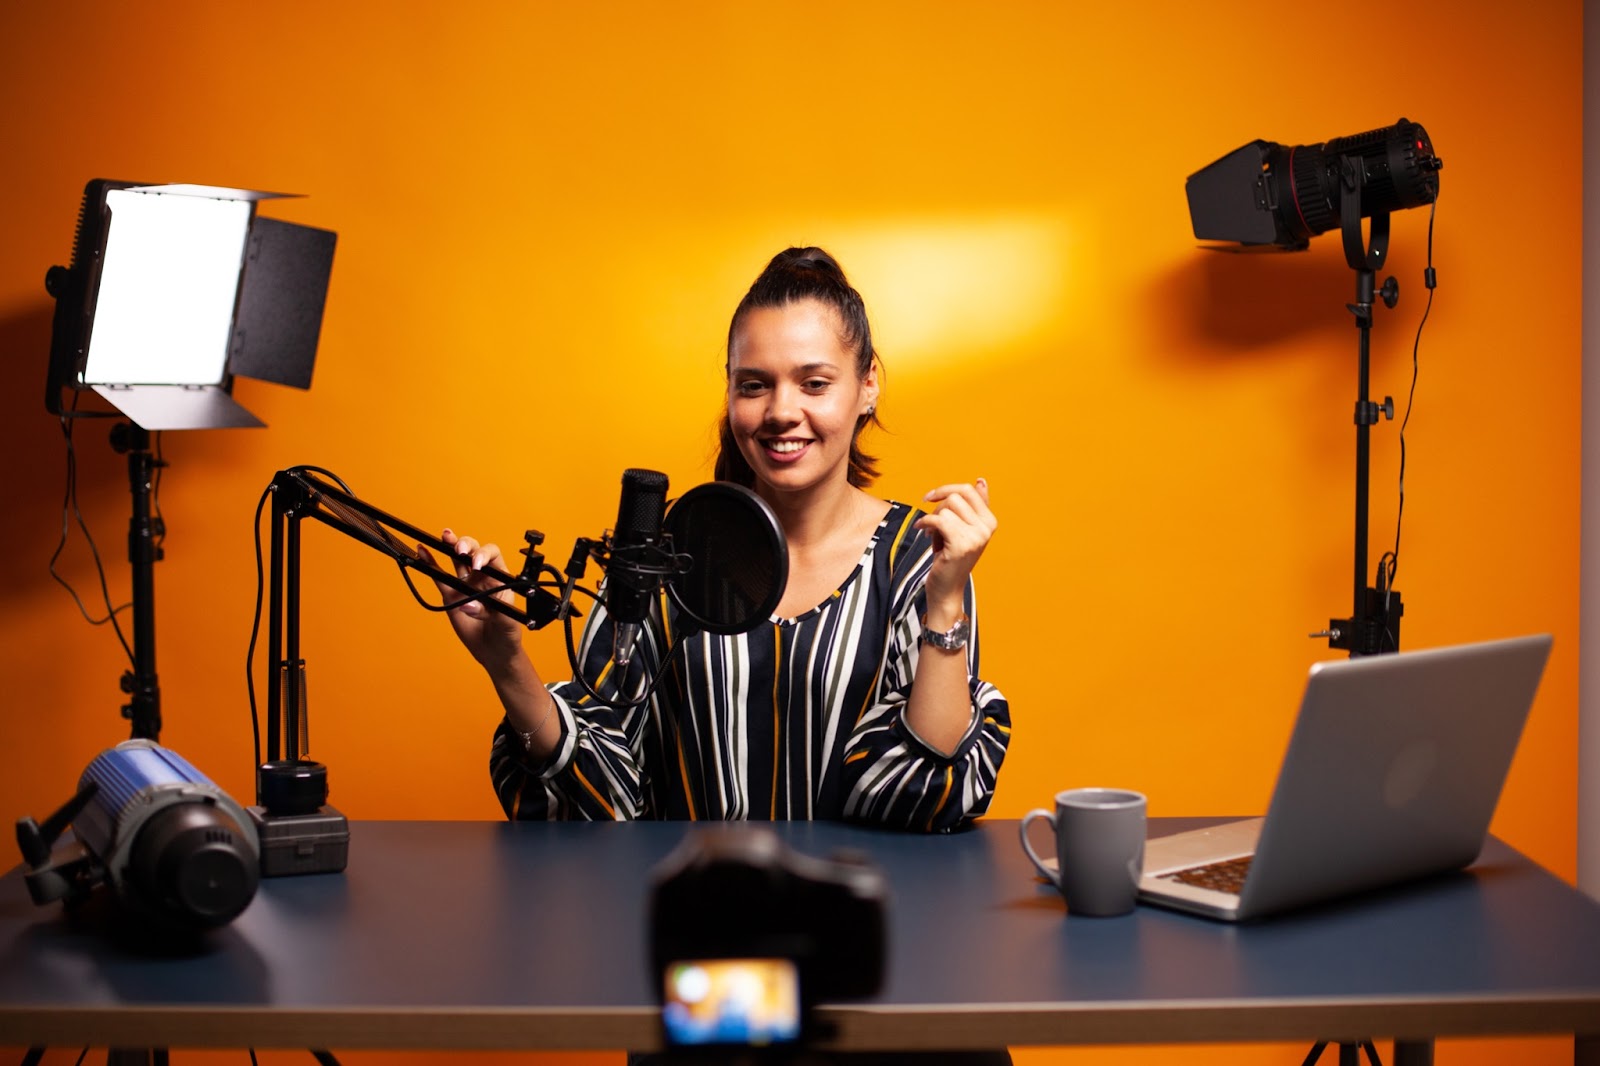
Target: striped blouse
point(799, 718)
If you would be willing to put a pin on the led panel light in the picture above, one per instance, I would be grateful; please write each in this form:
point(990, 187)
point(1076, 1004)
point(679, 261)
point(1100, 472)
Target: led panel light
point(176, 289)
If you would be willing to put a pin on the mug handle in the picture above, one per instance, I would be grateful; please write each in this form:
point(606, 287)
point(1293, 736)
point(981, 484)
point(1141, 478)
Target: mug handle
point(1053, 876)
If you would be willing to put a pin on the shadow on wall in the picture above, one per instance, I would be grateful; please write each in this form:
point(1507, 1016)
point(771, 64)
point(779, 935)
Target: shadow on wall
point(31, 438)
point(1244, 303)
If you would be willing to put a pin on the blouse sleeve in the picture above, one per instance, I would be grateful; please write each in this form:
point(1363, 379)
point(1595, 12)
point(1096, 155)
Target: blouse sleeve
point(594, 772)
point(893, 777)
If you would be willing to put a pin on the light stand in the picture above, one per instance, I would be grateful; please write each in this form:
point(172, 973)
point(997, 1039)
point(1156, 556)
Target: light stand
point(144, 530)
point(195, 290)
point(1374, 626)
point(1268, 194)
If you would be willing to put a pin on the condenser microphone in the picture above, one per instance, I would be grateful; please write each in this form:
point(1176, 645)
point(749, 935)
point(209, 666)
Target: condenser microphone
point(634, 574)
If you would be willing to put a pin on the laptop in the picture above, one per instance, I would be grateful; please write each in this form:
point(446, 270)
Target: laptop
point(1393, 771)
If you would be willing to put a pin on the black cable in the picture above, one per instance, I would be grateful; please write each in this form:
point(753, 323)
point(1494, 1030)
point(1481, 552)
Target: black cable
point(617, 705)
point(482, 594)
point(255, 631)
point(325, 472)
point(69, 505)
point(1430, 278)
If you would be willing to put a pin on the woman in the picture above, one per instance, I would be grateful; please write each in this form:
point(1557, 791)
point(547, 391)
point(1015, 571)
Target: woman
point(860, 700)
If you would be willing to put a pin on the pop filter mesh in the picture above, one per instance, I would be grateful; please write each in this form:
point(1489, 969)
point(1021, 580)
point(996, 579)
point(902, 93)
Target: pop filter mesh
point(740, 558)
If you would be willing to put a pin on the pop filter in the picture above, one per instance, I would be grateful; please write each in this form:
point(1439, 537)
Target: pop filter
point(740, 557)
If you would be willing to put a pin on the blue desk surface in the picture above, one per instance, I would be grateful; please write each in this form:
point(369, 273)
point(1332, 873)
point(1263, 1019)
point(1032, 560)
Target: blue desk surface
point(485, 935)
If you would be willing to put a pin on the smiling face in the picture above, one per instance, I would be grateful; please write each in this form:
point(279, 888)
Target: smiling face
point(795, 399)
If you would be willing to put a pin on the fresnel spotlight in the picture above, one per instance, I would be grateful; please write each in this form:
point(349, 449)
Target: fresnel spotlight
point(1269, 193)
point(1273, 195)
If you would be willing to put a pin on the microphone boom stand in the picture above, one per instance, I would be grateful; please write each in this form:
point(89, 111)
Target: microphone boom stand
point(300, 833)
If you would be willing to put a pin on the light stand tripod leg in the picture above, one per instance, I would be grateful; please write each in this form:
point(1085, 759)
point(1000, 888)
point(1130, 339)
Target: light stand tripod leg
point(1315, 1053)
point(1413, 1052)
point(1350, 1054)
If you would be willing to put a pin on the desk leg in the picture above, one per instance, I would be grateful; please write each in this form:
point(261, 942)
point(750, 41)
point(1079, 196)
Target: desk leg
point(1413, 1053)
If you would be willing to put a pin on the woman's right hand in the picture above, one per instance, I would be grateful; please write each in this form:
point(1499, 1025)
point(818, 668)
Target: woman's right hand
point(494, 639)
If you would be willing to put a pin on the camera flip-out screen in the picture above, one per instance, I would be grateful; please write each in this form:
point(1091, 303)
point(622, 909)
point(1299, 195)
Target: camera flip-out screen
point(739, 1002)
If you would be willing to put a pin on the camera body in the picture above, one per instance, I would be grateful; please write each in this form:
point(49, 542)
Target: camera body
point(754, 933)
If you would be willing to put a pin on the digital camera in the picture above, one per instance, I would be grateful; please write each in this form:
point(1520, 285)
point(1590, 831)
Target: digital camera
point(747, 934)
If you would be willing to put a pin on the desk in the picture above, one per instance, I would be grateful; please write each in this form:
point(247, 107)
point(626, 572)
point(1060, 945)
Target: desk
point(493, 935)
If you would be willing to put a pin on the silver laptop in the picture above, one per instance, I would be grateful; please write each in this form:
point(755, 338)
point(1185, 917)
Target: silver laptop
point(1393, 772)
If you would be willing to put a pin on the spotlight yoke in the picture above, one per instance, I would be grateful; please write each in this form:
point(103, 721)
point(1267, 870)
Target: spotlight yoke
point(1264, 194)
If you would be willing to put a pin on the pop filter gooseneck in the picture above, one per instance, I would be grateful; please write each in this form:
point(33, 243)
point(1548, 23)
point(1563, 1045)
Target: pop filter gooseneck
point(740, 559)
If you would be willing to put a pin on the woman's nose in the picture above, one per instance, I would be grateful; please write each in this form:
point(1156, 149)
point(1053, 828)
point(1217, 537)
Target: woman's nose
point(782, 405)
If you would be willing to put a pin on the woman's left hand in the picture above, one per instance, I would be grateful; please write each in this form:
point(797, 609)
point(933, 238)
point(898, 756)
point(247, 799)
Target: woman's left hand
point(960, 525)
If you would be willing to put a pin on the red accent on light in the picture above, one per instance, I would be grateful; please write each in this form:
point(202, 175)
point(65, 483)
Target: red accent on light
point(1294, 187)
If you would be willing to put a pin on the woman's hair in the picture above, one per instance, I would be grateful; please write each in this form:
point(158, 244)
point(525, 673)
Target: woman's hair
point(797, 274)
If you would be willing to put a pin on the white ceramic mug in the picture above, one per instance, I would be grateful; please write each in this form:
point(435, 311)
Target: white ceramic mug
point(1099, 848)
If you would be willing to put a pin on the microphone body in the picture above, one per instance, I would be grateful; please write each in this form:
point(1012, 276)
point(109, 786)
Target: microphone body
point(634, 575)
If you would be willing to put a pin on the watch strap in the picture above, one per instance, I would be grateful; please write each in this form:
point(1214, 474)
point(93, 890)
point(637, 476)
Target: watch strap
point(952, 639)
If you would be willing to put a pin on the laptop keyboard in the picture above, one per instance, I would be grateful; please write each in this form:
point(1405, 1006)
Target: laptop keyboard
point(1225, 876)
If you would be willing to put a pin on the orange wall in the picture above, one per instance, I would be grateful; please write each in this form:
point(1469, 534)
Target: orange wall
point(547, 211)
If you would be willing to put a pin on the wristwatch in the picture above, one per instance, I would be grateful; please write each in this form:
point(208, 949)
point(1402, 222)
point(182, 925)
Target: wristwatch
point(952, 639)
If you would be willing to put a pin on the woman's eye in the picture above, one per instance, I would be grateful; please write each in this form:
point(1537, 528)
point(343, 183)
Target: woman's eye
point(817, 384)
point(750, 388)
